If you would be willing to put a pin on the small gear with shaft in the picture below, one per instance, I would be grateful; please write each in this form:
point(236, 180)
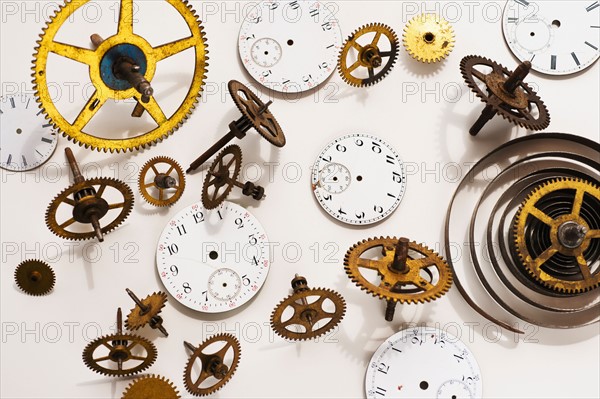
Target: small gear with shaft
point(34, 277)
point(217, 366)
point(557, 235)
point(316, 311)
point(428, 38)
point(365, 59)
point(407, 272)
point(120, 67)
point(146, 311)
point(151, 387)
point(166, 184)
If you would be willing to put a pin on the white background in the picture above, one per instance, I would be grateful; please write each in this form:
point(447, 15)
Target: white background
point(423, 111)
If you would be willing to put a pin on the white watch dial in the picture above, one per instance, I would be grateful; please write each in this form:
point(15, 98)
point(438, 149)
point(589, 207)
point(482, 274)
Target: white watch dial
point(27, 140)
point(398, 370)
point(558, 37)
point(359, 179)
point(213, 261)
point(290, 46)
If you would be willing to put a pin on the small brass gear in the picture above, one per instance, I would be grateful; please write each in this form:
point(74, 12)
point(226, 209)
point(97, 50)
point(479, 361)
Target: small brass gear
point(151, 387)
point(216, 368)
point(120, 67)
point(146, 311)
point(428, 38)
point(34, 277)
point(166, 185)
point(557, 235)
point(372, 57)
point(309, 312)
point(221, 176)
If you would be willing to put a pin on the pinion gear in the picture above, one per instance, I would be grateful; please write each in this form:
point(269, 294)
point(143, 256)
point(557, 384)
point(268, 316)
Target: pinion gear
point(428, 38)
point(151, 387)
point(34, 277)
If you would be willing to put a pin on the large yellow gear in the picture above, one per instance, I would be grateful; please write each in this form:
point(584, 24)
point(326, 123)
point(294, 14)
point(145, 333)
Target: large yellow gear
point(428, 38)
point(125, 44)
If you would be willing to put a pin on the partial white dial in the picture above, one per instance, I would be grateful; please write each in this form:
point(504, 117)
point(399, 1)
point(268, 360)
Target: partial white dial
point(558, 37)
point(290, 46)
point(359, 179)
point(423, 362)
point(26, 139)
point(213, 261)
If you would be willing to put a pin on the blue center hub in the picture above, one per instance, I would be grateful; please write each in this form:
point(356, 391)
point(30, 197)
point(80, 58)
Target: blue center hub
point(124, 50)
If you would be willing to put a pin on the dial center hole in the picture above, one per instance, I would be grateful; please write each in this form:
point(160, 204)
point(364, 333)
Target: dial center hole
point(335, 178)
point(429, 37)
point(266, 53)
point(556, 23)
point(290, 42)
point(359, 178)
point(213, 255)
point(532, 34)
point(224, 285)
point(19, 131)
point(424, 385)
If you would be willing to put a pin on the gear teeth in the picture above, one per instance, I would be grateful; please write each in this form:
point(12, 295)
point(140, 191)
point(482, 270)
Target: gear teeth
point(153, 383)
point(207, 201)
point(181, 181)
point(87, 355)
point(418, 48)
point(131, 325)
point(37, 287)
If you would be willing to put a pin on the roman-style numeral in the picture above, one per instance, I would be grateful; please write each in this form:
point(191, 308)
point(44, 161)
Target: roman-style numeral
point(391, 195)
point(314, 12)
point(592, 6)
point(390, 159)
point(575, 58)
point(380, 391)
point(552, 62)
point(294, 4)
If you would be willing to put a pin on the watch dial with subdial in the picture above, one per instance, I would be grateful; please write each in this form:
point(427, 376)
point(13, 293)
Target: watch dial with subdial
point(290, 46)
point(423, 362)
point(215, 260)
point(27, 140)
point(558, 37)
point(359, 179)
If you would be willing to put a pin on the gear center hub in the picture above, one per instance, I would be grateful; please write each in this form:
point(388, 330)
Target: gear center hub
point(571, 234)
point(116, 55)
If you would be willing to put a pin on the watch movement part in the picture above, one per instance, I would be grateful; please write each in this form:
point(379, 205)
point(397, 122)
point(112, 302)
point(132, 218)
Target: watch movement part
point(146, 311)
point(428, 38)
point(151, 387)
point(167, 186)
point(34, 277)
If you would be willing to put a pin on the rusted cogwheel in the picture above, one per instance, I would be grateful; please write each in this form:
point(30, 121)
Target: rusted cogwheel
point(557, 235)
point(221, 176)
point(372, 57)
point(308, 312)
point(428, 38)
point(165, 186)
point(151, 387)
point(146, 311)
point(34, 277)
point(216, 367)
point(121, 350)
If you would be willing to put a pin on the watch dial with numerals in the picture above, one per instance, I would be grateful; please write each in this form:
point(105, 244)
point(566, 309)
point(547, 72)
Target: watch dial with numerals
point(359, 179)
point(27, 140)
point(290, 46)
point(558, 37)
point(423, 362)
point(215, 260)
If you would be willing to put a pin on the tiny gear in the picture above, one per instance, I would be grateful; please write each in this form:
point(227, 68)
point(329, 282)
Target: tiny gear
point(557, 235)
point(122, 351)
point(505, 93)
point(120, 67)
point(312, 314)
point(371, 59)
point(428, 38)
point(216, 367)
point(86, 197)
point(151, 387)
point(408, 272)
point(166, 184)
point(146, 311)
point(34, 277)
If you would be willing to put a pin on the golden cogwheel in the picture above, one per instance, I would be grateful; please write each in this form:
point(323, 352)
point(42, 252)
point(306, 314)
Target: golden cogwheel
point(146, 311)
point(151, 387)
point(428, 38)
point(120, 67)
point(365, 59)
point(557, 235)
point(34, 277)
point(167, 183)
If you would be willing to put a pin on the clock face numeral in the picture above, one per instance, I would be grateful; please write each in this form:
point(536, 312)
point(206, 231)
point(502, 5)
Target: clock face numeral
point(213, 261)
point(358, 179)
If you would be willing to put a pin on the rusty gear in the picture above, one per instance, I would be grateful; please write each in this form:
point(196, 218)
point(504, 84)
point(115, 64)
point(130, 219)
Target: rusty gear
point(557, 235)
point(34, 277)
point(151, 387)
point(370, 56)
point(212, 364)
point(146, 311)
point(166, 186)
point(428, 38)
point(221, 176)
point(307, 304)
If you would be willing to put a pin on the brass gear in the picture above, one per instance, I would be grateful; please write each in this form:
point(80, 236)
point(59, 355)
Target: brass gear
point(221, 176)
point(557, 235)
point(151, 387)
point(307, 313)
point(409, 287)
point(212, 364)
point(370, 56)
point(428, 38)
point(34, 277)
point(138, 317)
point(124, 40)
point(169, 183)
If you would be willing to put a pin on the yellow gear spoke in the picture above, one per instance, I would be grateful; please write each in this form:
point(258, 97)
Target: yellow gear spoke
point(541, 216)
point(90, 109)
point(126, 18)
point(154, 110)
point(577, 201)
point(74, 53)
point(545, 256)
point(169, 49)
point(584, 267)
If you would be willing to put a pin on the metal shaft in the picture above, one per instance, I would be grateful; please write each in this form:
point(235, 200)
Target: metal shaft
point(189, 346)
point(137, 301)
point(390, 310)
point(517, 77)
point(487, 114)
point(96, 40)
point(165, 181)
point(400, 256)
point(119, 322)
point(77, 176)
point(125, 69)
point(211, 151)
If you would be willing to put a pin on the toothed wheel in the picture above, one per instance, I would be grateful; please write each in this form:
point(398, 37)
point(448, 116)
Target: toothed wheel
point(221, 176)
point(129, 354)
point(428, 38)
point(120, 67)
point(152, 306)
point(368, 55)
point(165, 185)
point(557, 235)
point(34, 277)
point(217, 366)
point(427, 278)
point(151, 387)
